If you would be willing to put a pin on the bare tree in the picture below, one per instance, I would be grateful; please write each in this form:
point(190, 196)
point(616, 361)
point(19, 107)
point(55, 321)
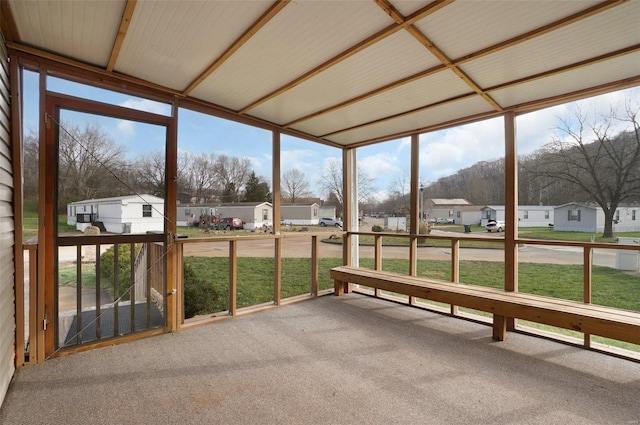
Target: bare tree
point(295, 186)
point(150, 173)
point(89, 164)
point(331, 183)
point(197, 177)
point(596, 160)
point(398, 200)
point(232, 174)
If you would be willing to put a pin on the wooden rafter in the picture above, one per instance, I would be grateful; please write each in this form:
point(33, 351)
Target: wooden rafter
point(435, 50)
point(7, 23)
point(381, 35)
point(401, 114)
point(236, 45)
point(454, 64)
point(519, 109)
point(570, 67)
point(601, 7)
point(122, 32)
point(370, 94)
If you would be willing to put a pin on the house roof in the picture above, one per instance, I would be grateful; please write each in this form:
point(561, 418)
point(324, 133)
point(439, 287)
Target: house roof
point(141, 199)
point(448, 202)
point(345, 73)
point(244, 204)
point(306, 205)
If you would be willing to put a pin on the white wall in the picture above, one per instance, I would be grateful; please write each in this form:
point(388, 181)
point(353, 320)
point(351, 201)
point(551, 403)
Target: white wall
point(7, 236)
point(587, 222)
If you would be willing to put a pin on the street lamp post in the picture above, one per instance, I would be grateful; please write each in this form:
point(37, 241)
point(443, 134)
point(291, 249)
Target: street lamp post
point(421, 212)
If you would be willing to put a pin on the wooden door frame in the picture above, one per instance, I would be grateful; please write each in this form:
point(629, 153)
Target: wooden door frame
point(47, 228)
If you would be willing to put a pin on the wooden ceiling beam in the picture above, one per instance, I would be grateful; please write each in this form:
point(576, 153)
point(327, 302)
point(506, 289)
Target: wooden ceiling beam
point(370, 94)
point(454, 64)
point(401, 114)
point(518, 109)
point(122, 33)
point(594, 10)
point(587, 62)
point(8, 23)
point(380, 35)
point(236, 45)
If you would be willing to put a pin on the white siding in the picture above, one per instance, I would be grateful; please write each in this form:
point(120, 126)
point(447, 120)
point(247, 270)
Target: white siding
point(7, 238)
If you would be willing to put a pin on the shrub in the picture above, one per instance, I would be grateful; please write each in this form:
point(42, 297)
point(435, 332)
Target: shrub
point(423, 229)
point(376, 228)
point(124, 270)
point(200, 296)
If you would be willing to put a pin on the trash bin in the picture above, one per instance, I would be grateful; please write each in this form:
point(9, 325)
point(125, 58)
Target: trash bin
point(626, 259)
point(467, 228)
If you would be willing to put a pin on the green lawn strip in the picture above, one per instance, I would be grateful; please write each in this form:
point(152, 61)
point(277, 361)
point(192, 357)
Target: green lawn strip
point(67, 276)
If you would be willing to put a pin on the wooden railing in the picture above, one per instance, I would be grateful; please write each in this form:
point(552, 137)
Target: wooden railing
point(152, 251)
point(232, 243)
point(586, 247)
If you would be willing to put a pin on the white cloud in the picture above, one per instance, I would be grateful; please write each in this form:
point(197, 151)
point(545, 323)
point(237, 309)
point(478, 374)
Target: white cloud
point(147, 106)
point(126, 129)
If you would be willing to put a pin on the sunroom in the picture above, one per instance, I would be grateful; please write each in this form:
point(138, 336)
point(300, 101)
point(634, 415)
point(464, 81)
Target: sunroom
point(248, 91)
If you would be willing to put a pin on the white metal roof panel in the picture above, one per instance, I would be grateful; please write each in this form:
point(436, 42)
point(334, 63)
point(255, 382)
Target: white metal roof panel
point(437, 87)
point(301, 37)
point(607, 32)
point(172, 44)
point(421, 119)
point(83, 30)
point(396, 57)
point(623, 67)
point(481, 24)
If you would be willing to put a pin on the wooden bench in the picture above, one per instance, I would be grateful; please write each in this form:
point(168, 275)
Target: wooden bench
point(591, 319)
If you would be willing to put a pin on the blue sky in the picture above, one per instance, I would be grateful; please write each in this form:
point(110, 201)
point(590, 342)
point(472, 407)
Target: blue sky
point(441, 153)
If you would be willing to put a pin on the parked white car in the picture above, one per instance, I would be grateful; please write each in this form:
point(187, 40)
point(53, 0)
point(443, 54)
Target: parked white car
point(441, 220)
point(495, 225)
point(326, 221)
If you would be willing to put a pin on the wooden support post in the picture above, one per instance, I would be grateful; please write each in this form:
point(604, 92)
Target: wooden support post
point(587, 269)
point(414, 214)
point(511, 218)
point(170, 212)
point(378, 259)
point(315, 264)
point(455, 268)
point(15, 76)
point(277, 271)
point(233, 276)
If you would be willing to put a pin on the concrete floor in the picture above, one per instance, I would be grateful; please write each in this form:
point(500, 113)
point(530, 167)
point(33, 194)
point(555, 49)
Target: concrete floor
point(334, 360)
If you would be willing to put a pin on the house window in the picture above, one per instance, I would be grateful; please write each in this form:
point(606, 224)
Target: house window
point(315, 212)
point(617, 215)
point(526, 215)
point(265, 214)
point(574, 215)
point(187, 212)
point(633, 215)
point(146, 210)
point(546, 215)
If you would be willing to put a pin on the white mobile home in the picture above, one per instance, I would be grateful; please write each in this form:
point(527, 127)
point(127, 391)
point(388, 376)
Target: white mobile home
point(120, 214)
point(467, 214)
point(577, 217)
point(300, 214)
point(528, 215)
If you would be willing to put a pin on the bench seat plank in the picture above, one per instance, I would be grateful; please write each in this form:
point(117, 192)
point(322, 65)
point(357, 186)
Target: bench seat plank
point(604, 321)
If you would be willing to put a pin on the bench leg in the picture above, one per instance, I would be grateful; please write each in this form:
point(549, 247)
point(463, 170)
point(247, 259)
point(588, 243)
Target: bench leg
point(341, 288)
point(499, 327)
